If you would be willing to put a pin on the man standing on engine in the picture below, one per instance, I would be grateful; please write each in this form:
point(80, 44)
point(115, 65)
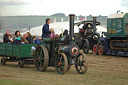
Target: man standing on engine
point(45, 29)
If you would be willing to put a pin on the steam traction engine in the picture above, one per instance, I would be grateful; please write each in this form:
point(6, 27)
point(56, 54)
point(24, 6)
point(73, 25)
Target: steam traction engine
point(60, 53)
point(88, 36)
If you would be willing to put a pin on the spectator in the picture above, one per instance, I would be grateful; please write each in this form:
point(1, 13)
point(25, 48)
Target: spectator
point(17, 39)
point(25, 35)
point(7, 37)
point(36, 40)
point(17, 34)
point(29, 38)
point(23, 40)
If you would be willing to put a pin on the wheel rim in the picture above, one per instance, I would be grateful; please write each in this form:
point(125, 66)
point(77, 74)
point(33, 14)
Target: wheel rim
point(61, 63)
point(100, 50)
point(81, 64)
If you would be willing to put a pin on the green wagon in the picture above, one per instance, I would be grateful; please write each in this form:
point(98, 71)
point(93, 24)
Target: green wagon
point(16, 52)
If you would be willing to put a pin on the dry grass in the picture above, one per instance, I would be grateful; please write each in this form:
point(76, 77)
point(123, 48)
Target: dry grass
point(103, 70)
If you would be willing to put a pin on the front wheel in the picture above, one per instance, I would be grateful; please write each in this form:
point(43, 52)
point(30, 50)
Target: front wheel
point(61, 64)
point(81, 64)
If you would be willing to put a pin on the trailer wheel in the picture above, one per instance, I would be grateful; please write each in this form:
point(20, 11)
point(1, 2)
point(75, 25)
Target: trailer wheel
point(41, 58)
point(95, 50)
point(3, 61)
point(21, 63)
point(85, 46)
point(81, 64)
point(61, 63)
point(101, 50)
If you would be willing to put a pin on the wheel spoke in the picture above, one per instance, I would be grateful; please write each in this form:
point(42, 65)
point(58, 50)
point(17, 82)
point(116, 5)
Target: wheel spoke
point(41, 53)
point(81, 68)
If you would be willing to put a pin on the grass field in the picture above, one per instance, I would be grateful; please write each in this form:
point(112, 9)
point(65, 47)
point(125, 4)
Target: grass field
point(102, 70)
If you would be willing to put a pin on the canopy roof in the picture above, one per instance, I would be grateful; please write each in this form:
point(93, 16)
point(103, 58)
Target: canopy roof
point(117, 15)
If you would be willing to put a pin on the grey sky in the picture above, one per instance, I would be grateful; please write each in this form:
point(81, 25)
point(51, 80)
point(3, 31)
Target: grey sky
point(48, 7)
point(124, 3)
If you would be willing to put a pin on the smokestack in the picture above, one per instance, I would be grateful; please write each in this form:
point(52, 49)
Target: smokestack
point(94, 23)
point(71, 33)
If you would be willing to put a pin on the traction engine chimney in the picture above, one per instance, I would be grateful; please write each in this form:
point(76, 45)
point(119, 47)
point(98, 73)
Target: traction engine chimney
point(71, 32)
point(94, 23)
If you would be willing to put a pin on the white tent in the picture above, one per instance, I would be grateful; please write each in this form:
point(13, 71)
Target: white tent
point(58, 27)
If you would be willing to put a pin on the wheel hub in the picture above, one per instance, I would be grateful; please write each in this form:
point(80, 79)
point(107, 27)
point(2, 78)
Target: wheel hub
point(59, 63)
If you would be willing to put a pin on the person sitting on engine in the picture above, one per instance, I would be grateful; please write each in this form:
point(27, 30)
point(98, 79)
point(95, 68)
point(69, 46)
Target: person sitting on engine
point(52, 35)
point(36, 40)
point(45, 29)
point(66, 37)
point(7, 37)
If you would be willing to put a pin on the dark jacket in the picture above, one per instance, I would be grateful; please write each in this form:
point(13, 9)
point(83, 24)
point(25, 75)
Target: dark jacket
point(29, 39)
point(6, 38)
point(45, 31)
point(17, 41)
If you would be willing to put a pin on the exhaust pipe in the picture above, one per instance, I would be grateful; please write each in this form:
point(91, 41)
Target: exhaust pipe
point(94, 23)
point(71, 32)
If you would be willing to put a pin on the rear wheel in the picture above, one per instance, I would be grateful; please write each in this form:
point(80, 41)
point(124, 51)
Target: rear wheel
point(41, 58)
point(95, 49)
point(3, 61)
point(85, 46)
point(101, 50)
point(61, 63)
point(81, 64)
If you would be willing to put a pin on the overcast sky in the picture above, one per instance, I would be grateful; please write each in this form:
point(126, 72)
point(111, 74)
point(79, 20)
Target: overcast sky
point(49, 7)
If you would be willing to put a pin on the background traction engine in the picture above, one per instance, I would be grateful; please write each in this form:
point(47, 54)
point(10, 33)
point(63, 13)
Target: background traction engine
point(88, 36)
point(61, 53)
